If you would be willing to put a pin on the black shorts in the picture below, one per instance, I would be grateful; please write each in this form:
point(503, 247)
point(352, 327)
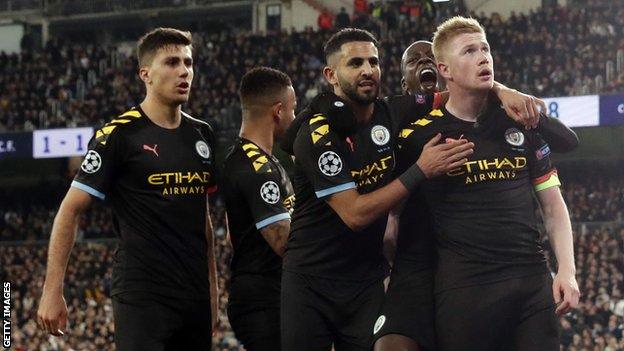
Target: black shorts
point(318, 312)
point(154, 323)
point(408, 308)
point(516, 314)
point(256, 324)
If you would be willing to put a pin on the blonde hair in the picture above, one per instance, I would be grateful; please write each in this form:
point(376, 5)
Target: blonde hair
point(451, 28)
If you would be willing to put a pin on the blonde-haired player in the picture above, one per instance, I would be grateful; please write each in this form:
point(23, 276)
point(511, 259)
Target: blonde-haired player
point(493, 290)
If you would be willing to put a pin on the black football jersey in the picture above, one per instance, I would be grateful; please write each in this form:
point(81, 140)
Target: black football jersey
point(321, 244)
point(257, 193)
point(483, 213)
point(156, 180)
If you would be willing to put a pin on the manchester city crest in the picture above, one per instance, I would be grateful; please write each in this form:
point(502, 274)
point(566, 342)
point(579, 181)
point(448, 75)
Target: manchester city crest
point(380, 135)
point(202, 149)
point(514, 137)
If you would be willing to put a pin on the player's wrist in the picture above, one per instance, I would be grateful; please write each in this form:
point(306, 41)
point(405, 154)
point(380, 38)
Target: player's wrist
point(412, 177)
point(566, 270)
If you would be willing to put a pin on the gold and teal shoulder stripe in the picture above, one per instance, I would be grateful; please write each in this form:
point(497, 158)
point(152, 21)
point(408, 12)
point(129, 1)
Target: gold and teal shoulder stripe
point(421, 122)
point(101, 135)
point(319, 128)
point(259, 161)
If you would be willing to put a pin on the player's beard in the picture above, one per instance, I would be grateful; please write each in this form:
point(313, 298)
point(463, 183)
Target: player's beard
point(350, 90)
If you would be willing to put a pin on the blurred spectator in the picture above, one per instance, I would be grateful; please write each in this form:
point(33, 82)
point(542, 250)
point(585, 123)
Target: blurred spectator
point(325, 20)
point(342, 19)
point(553, 51)
point(360, 6)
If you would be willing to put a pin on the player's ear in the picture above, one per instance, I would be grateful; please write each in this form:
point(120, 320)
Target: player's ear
point(144, 75)
point(404, 85)
point(277, 111)
point(330, 75)
point(444, 70)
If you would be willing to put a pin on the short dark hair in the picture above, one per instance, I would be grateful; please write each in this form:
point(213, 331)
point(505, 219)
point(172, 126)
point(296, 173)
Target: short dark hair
point(262, 83)
point(347, 35)
point(151, 42)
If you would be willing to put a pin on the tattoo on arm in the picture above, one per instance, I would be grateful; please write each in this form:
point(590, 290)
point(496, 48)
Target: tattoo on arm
point(276, 234)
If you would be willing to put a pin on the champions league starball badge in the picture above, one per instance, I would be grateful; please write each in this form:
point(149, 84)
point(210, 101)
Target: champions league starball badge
point(330, 163)
point(270, 192)
point(380, 135)
point(202, 149)
point(514, 137)
point(92, 162)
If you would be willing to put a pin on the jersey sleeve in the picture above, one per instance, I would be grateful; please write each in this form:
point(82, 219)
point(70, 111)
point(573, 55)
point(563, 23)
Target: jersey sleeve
point(98, 166)
point(323, 157)
point(543, 173)
point(211, 139)
point(264, 196)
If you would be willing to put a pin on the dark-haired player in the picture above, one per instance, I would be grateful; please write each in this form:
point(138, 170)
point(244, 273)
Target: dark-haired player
point(154, 165)
point(332, 283)
point(259, 199)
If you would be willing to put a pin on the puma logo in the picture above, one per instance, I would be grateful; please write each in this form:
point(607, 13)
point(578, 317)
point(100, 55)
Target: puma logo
point(152, 149)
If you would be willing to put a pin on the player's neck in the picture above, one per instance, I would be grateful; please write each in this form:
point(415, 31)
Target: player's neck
point(466, 104)
point(363, 113)
point(163, 115)
point(259, 134)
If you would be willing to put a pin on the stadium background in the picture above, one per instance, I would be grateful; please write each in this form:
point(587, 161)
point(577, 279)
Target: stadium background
point(69, 63)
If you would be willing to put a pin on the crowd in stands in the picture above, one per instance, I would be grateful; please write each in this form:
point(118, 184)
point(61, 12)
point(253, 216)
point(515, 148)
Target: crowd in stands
point(553, 51)
point(547, 52)
point(595, 199)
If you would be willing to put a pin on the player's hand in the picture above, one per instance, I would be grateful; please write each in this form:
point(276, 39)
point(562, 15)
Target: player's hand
point(437, 159)
point(522, 108)
point(52, 313)
point(566, 292)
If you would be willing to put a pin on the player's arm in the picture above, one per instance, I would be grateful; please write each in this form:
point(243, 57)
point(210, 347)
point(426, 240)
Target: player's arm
point(358, 211)
point(276, 235)
point(392, 233)
point(522, 108)
point(525, 109)
point(557, 135)
point(556, 220)
point(557, 223)
point(52, 312)
point(212, 269)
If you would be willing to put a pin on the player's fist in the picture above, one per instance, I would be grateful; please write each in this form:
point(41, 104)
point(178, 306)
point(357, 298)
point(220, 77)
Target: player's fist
point(52, 313)
point(565, 292)
point(522, 108)
point(437, 159)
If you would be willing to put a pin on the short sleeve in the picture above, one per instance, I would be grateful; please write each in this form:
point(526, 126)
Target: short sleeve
point(324, 157)
point(264, 196)
point(543, 173)
point(98, 166)
point(211, 140)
